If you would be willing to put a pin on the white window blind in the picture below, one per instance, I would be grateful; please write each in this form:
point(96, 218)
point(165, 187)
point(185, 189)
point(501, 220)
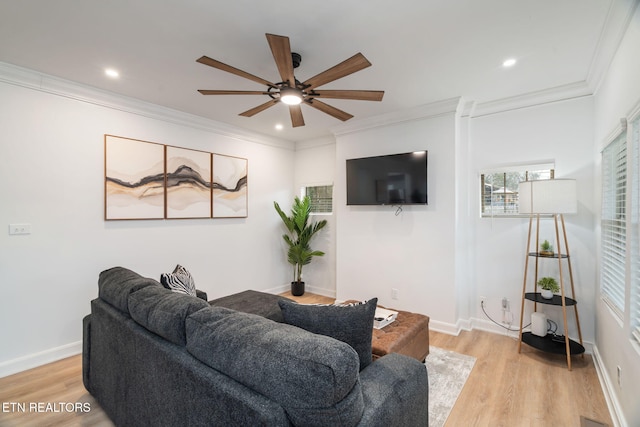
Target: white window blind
point(635, 230)
point(614, 223)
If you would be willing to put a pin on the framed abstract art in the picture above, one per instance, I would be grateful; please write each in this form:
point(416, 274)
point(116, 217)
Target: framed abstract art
point(188, 183)
point(134, 179)
point(229, 187)
point(146, 180)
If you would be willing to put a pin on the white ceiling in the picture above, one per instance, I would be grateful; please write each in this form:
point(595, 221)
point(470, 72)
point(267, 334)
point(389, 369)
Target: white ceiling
point(422, 51)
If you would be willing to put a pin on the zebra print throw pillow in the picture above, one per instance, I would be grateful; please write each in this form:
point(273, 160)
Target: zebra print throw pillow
point(179, 281)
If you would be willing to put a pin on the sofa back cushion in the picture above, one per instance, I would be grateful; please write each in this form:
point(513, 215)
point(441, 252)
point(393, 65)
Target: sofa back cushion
point(349, 323)
point(163, 312)
point(313, 377)
point(115, 285)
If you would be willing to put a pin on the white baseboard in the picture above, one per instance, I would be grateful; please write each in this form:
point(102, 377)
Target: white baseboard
point(488, 326)
point(608, 389)
point(312, 289)
point(443, 327)
point(320, 291)
point(34, 360)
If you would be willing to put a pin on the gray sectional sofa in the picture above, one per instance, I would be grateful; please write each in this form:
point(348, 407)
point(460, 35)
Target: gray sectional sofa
point(152, 357)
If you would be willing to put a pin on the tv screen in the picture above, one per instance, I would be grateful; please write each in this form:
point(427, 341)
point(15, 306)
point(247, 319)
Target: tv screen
point(396, 179)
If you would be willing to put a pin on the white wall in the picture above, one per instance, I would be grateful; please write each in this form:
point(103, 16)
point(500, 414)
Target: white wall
point(413, 251)
point(52, 168)
point(562, 133)
point(315, 165)
point(617, 97)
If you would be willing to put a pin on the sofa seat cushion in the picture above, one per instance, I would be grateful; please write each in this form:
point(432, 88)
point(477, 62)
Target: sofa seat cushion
point(260, 303)
point(115, 285)
point(164, 312)
point(313, 377)
point(350, 323)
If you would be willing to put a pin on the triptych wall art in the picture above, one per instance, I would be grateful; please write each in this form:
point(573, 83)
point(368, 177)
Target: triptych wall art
point(146, 180)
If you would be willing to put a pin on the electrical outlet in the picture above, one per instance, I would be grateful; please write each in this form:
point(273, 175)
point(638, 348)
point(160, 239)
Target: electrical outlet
point(483, 301)
point(19, 228)
point(394, 293)
point(507, 319)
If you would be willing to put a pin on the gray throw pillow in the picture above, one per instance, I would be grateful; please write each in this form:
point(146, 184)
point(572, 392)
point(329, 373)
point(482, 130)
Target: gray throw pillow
point(352, 323)
point(180, 280)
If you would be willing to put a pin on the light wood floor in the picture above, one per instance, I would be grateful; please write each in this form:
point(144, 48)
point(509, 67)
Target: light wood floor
point(531, 389)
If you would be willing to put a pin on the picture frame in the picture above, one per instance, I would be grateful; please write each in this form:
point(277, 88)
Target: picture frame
point(134, 179)
point(188, 183)
point(147, 180)
point(230, 186)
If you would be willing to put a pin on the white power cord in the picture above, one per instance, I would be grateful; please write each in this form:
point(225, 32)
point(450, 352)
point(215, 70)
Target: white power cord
point(510, 322)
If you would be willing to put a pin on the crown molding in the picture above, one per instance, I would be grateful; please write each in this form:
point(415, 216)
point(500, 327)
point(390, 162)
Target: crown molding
point(465, 107)
point(34, 80)
point(545, 96)
point(314, 143)
point(634, 113)
point(434, 109)
point(615, 27)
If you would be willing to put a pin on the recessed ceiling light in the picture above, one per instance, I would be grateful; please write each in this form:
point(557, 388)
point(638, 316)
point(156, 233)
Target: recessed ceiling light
point(112, 73)
point(509, 62)
point(279, 126)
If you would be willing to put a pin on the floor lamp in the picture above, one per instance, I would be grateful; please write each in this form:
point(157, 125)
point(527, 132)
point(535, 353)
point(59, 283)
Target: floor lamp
point(550, 197)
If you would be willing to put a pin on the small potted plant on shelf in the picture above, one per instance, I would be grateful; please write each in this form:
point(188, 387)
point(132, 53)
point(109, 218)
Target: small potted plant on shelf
point(546, 249)
point(549, 286)
point(300, 231)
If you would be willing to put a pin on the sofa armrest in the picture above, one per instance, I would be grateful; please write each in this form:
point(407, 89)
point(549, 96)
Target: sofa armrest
point(395, 389)
point(201, 294)
point(86, 349)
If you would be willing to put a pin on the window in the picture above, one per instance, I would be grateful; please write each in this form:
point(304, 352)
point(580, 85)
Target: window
point(321, 198)
point(614, 223)
point(499, 189)
point(620, 263)
point(635, 229)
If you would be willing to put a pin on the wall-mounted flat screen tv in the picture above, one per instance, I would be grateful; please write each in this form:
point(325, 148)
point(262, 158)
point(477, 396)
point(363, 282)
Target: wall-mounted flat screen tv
point(396, 179)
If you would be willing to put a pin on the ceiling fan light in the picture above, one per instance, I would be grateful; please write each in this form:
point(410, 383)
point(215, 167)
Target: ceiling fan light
point(290, 96)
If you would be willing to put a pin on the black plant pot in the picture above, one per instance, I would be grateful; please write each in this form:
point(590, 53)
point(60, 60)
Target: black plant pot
point(297, 289)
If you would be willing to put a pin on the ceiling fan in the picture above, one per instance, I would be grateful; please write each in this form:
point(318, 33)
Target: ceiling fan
point(293, 92)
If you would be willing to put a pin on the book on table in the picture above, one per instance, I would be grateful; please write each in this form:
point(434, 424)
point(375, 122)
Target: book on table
point(383, 317)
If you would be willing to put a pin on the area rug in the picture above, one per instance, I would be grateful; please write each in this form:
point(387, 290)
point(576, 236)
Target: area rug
point(448, 371)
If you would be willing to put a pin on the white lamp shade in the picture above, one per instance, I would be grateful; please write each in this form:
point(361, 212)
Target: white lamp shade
point(548, 196)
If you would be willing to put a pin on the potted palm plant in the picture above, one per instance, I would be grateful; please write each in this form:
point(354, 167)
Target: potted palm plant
point(300, 231)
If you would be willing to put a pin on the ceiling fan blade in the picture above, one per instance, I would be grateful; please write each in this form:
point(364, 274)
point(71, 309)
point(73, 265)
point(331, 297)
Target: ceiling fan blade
point(362, 95)
point(349, 66)
point(255, 110)
point(296, 115)
point(281, 50)
point(232, 92)
point(328, 109)
point(229, 69)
